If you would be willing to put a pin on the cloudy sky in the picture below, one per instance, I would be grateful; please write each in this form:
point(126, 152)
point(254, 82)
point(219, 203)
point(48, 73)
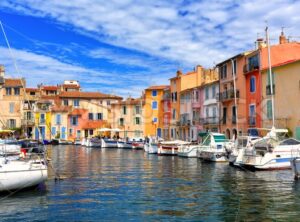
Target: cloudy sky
point(123, 46)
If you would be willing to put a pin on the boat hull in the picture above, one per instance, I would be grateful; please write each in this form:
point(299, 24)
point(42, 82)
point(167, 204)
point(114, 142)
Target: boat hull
point(190, 151)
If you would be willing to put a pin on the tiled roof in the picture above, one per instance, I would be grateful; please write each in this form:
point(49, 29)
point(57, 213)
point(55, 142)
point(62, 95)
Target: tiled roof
point(88, 95)
point(93, 124)
point(130, 101)
point(157, 87)
point(78, 112)
point(31, 89)
point(13, 82)
point(52, 88)
point(72, 86)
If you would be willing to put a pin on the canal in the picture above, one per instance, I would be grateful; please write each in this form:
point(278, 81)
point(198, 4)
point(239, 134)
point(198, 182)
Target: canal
point(118, 185)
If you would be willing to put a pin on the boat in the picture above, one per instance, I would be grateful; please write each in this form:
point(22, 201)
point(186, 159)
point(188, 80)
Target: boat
point(20, 174)
point(213, 148)
point(151, 146)
point(271, 152)
point(109, 143)
point(188, 150)
point(93, 142)
point(83, 141)
point(77, 142)
point(10, 147)
point(65, 142)
point(124, 144)
point(170, 147)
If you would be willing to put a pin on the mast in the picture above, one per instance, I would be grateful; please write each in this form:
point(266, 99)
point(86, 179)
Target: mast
point(235, 99)
point(270, 76)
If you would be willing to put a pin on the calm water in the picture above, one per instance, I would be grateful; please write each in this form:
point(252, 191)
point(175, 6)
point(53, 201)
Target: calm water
point(115, 185)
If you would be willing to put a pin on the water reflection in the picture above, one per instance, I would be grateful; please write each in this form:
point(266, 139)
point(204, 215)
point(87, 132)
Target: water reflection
point(114, 184)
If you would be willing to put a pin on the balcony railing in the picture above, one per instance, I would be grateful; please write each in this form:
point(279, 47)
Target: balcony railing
point(227, 95)
point(42, 121)
point(27, 122)
point(252, 121)
point(250, 67)
point(268, 90)
point(210, 121)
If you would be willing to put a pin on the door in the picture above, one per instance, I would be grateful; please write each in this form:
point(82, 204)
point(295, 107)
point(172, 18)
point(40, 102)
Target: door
point(158, 132)
point(36, 133)
point(42, 130)
point(63, 133)
point(252, 120)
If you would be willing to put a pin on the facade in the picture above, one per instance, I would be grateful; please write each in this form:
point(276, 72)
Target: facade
point(11, 98)
point(59, 121)
point(186, 115)
point(127, 116)
point(166, 106)
point(153, 110)
point(230, 74)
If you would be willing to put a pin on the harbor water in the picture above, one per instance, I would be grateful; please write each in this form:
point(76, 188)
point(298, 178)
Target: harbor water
point(121, 185)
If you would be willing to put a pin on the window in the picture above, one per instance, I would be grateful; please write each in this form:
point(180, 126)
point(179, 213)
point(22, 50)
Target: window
point(11, 123)
point(154, 92)
point(197, 95)
point(137, 110)
point(223, 71)
point(224, 115)
point(154, 105)
point(99, 116)
point(253, 63)
point(234, 67)
point(174, 114)
point(124, 110)
point(214, 111)
point(252, 115)
point(233, 114)
point(137, 120)
point(108, 102)
point(175, 96)
point(121, 121)
point(78, 134)
point(42, 118)
point(269, 109)
point(213, 92)
point(154, 120)
point(70, 132)
point(252, 84)
point(206, 93)
point(32, 93)
point(91, 132)
point(11, 107)
point(66, 102)
point(74, 120)
point(76, 102)
point(8, 91)
point(58, 119)
point(91, 116)
point(207, 112)
point(17, 91)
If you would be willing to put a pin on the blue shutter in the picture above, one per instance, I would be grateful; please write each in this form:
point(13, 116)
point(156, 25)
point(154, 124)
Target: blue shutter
point(53, 131)
point(63, 132)
point(36, 133)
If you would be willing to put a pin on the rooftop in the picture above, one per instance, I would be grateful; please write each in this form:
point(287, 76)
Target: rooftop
point(13, 82)
point(88, 95)
point(159, 87)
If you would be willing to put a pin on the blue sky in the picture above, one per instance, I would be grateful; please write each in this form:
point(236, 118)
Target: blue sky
point(123, 46)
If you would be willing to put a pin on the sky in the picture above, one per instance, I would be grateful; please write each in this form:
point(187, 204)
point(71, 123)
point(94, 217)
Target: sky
point(123, 46)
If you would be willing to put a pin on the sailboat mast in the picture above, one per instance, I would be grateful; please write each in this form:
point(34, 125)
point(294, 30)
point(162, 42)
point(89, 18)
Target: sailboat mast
point(235, 99)
point(270, 76)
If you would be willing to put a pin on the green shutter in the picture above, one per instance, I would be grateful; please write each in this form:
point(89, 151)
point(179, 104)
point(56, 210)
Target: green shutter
point(298, 132)
point(269, 80)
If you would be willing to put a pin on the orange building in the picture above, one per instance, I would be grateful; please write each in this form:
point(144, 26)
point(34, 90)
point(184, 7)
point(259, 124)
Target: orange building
point(153, 116)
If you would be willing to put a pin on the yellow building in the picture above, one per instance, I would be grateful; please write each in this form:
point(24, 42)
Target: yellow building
point(153, 110)
point(127, 116)
point(43, 120)
point(286, 97)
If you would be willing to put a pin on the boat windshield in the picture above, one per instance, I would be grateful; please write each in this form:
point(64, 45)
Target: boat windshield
point(220, 138)
point(206, 141)
point(242, 142)
point(290, 141)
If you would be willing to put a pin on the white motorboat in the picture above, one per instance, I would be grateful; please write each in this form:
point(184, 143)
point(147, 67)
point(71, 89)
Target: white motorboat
point(189, 150)
point(271, 152)
point(83, 141)
point(213, 148)
point(124, 144)
point(109, 143)
point(170, 147)
point(9, 147)
point(93, 142)
point(151, 146)
point(77, 142)
point(20, 174)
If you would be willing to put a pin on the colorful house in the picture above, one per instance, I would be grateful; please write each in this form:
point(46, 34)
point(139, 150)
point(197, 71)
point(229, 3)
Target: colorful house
point(59, 121)
point(166, 106)
point(153, 110)
point(127, 116)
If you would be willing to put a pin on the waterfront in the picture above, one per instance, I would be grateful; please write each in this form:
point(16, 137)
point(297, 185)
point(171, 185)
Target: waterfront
point(115, 184)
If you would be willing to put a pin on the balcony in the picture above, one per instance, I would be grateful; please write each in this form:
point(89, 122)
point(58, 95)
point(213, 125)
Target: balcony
point(210, 121)
point(42, 121)
point(227, 95)
point(196, 104)
point(27, 122)
point(268, 90)
point(250, 67)
point(252, 121)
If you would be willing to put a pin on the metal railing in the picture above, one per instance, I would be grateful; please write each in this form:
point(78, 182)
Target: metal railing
point(250, 67)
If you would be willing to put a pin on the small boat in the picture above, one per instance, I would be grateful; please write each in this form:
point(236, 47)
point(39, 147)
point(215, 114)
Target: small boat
point(137, 145)
point(93, 142)
point(188, 150)
point(10, 147)
point(55, 142)
point(65, 142)
point(77, 142)
point(109, 143)
point(151, 146)
point(46, 142)
point(213, 148)
point(170, 147)
point(271, 152)
point(124, 144)
point(83, 141)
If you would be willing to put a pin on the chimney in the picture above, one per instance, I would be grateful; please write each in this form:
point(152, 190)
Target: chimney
point(2, 71)
point(282, 38)
point(260, 43)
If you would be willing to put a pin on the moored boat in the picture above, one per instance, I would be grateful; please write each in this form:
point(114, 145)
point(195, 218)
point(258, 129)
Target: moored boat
point(109, 143)
point(93, 142)
point(189, 150)
point(170, 147)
